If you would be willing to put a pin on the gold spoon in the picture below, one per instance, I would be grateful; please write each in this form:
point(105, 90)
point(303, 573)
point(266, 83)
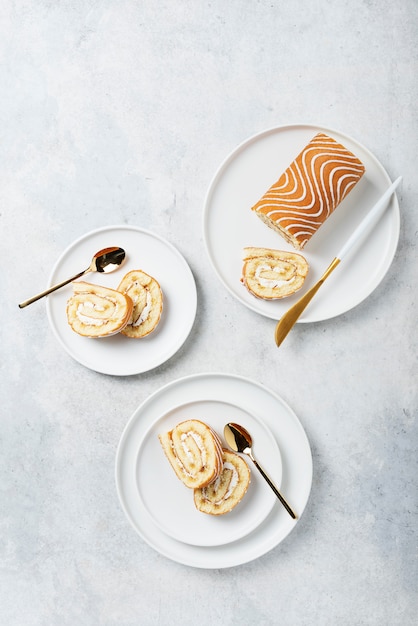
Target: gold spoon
point(239, 439)
point(289, 319)
point(106, 260)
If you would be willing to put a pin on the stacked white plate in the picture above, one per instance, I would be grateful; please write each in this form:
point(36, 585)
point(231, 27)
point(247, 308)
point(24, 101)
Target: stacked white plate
point(161, 509)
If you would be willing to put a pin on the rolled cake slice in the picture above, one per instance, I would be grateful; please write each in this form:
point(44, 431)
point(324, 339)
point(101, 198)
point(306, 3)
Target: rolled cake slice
point(310, 189)
point(226, 491)
point(145, 292)
point(95, 311)
point(272, 274)
point(194, 451)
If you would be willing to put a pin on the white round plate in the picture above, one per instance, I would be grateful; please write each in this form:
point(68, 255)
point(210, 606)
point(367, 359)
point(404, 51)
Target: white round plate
point(170, 503)
point(119, 355)
point(230, 225)
point(268, 409)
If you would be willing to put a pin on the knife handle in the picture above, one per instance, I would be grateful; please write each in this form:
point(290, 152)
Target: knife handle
point(369, 221)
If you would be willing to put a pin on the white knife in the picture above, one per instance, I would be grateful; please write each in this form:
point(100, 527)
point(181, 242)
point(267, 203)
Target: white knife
point(291, 316)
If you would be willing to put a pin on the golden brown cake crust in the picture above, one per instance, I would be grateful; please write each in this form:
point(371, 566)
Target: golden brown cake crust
point(310, 189)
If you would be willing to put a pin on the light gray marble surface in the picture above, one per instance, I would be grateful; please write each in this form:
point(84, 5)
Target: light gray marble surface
point(120, 112)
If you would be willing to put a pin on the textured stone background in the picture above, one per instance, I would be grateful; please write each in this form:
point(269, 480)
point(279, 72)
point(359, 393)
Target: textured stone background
point(120, 112)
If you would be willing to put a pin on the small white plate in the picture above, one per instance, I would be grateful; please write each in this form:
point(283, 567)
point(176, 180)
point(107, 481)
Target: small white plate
point(267, 408)
point(119, 355)
point(171, 504)
point(230, 225)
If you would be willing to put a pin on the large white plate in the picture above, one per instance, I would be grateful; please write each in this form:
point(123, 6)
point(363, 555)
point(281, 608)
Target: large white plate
point(230, 225)
point(266, 407)
point(119, 355)
point(170, 503)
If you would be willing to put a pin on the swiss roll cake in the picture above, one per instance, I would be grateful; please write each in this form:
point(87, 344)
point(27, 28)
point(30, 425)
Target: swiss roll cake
point(227, 490)
point(273, 274)
point(194, 451)
point(95, 311)
point(310, 189)
point(146, 295)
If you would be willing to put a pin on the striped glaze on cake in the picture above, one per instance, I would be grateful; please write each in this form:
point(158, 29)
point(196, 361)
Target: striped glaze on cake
point(310, 189)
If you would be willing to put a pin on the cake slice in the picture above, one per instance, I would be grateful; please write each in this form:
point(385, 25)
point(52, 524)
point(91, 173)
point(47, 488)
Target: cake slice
point(194, 451)
point(95, 311)
point(228, 489)
point(146, 295)
point(309, 190)
point(272, 274)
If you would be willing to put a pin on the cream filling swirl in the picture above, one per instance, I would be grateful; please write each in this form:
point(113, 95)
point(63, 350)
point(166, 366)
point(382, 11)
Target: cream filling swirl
point(199, 442)
point(92, 320)
point(272, 283)
point(145, 311)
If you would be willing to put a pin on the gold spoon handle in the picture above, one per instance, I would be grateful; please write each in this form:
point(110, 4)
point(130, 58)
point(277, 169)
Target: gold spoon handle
point(51, 289)
point(289, 319)
point(276, 491)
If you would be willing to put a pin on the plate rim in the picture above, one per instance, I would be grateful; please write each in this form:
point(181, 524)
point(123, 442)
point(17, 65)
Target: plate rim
point(236, 151)
point(264, 545)
point(190, 278)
